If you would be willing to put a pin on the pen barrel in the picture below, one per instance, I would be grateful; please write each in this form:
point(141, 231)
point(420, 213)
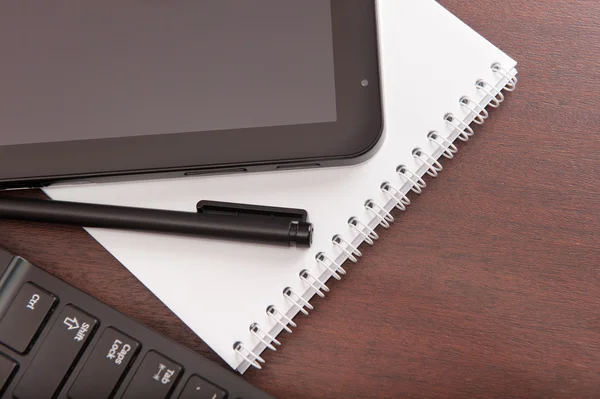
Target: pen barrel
point(243, 228)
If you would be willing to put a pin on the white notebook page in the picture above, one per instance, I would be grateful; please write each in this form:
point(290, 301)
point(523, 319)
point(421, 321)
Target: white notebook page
point(429, 59)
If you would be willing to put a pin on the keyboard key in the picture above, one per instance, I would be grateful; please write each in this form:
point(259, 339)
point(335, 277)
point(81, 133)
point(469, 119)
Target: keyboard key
point(198, 388)
point(59, 352)
point(106, 366)
point(154, 379)
point(25, 317)
point(7, 370)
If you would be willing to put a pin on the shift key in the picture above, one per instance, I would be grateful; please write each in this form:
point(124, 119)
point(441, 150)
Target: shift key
point(25, 317)
point(62, 348)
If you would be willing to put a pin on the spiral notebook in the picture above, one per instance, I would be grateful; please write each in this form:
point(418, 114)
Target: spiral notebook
point(438, 76)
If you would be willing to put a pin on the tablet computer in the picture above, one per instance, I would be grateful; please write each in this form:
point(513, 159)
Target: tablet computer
point(109, 90)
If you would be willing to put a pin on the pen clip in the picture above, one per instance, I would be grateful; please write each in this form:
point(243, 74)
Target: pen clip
point(234, 209)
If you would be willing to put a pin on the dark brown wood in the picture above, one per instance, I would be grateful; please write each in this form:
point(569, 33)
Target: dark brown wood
point(488, 287)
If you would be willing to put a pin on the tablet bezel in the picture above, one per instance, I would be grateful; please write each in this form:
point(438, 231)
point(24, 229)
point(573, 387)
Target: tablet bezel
point(351, 139)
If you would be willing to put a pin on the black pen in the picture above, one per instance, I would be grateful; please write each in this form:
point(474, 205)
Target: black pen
point(253, 223)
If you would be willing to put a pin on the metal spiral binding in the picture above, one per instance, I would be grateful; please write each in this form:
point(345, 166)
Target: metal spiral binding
point(418, 184)
point(512, 78)
point(384, 218)
point(369, 237)
point(350, 250)
point(465, 130)
point(401, 199)
point(497, 96)
point(262, 337)
point(314, 283)
point(280, 317)
point(481, 113)
point(433, 166)
point(248, 355)
point(297, 300)
point(330, 265)
point(449, 149)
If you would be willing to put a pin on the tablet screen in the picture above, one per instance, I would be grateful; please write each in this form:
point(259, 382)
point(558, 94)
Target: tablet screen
point(88, 70)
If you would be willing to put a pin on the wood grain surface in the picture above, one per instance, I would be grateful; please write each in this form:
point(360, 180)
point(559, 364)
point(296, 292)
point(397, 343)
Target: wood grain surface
point(488, 287)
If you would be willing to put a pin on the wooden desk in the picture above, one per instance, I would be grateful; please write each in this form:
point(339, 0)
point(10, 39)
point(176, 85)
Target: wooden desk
point(488, 287)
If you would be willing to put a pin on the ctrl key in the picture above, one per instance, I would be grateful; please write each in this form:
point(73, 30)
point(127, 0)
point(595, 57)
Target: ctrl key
point(25, 317)
point(154, 379)
point(7, 370)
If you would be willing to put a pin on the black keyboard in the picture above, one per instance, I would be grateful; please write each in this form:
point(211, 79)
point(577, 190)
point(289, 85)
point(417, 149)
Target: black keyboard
point(58, 342)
